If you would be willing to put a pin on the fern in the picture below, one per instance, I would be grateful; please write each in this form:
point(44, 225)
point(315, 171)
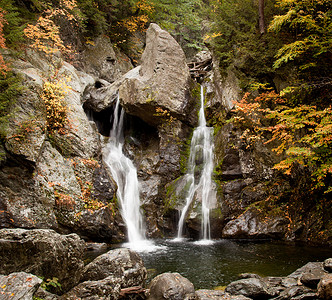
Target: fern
point(289, 52)
point(278, 22)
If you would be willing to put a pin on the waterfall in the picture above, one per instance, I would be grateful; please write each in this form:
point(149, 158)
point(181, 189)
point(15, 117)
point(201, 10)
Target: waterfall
point(125, 175)
point(199, 174)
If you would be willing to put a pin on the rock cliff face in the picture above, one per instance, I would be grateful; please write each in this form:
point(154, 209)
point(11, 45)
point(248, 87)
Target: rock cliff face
point(51, 179)
point(161, 81)
point(257, 201)
point(242, 175)
point(58, 180)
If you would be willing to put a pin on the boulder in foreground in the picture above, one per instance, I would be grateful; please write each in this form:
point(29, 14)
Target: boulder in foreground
point(171, 286)
point(18, 286)
point(123, 265)
point(42, 252)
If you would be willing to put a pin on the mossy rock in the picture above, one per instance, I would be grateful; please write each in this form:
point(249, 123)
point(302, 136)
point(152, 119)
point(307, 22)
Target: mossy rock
point(176, 193)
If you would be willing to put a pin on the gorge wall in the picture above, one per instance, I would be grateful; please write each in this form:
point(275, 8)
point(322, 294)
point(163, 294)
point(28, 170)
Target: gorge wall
point(58, 180)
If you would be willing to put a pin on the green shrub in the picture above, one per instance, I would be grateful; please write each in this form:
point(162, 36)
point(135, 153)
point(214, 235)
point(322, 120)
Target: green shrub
point(10, 89)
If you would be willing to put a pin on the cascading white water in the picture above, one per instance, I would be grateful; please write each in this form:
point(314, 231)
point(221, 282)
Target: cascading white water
point(200, 181)
point(125, 175)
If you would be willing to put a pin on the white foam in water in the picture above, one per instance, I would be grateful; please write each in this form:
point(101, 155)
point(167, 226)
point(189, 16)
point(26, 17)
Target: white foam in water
point(144, 246)
point(177, 240)
point(204, 242)
point(125, 175)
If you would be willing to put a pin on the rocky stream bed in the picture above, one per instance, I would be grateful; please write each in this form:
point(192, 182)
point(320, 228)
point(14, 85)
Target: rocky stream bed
point(29, 255)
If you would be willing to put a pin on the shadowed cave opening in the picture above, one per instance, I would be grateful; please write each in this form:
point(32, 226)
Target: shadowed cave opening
point(136, 131)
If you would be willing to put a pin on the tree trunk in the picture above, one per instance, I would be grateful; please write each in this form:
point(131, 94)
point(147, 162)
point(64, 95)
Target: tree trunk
point(261, 16)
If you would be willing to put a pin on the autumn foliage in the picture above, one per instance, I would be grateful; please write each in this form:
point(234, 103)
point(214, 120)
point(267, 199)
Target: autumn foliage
point(53, 95)
point(138, 22)
point(45, 34)
point(3, 66)
point(301, 135)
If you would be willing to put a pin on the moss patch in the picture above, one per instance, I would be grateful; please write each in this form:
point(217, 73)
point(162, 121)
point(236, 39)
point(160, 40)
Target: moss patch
point(185, 153)
point(176, 195)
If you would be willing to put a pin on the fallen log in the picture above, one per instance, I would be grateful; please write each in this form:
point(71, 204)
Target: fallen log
point(134, 290)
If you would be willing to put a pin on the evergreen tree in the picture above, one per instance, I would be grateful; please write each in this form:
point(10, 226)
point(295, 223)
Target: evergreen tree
point(306, 29)
point(13, 27)
point(183, 19)
point(114, 18)
point(237, 39)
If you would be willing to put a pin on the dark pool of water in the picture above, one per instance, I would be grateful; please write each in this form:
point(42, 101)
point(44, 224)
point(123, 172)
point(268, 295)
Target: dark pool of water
point(209, 266)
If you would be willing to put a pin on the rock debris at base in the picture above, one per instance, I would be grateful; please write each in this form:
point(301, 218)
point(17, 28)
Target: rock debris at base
point(120, 274)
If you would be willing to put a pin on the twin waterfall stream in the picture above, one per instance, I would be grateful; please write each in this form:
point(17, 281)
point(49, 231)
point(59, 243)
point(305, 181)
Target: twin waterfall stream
point(201, 150)
point(125, 175)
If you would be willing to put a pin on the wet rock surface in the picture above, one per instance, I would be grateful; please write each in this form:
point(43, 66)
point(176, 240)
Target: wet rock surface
point(297, 285)
point(254, 288)
point(327, 264)
point(312, 278)
point(307, 269)
point(324, 289)
point(214, 295)
point(252, 225)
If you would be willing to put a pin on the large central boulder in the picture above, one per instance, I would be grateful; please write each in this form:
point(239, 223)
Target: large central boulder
point(162, 81)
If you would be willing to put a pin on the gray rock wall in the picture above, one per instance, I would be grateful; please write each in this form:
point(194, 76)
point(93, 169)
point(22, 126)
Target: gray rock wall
point(52, 179)
point(58, 179)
